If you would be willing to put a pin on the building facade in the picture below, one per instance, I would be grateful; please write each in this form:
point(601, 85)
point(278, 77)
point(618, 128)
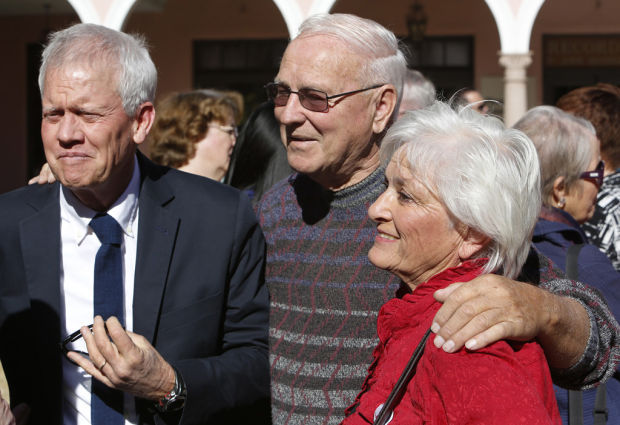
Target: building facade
point(520, 52)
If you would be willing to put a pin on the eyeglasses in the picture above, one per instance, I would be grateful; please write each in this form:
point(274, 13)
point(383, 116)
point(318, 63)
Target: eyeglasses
point(595, 176)
point(481, 107)
point(72, 338)
point(312, 99)
point(230, 129)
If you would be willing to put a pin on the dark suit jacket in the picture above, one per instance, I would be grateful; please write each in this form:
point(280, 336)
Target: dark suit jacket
point(199, 294)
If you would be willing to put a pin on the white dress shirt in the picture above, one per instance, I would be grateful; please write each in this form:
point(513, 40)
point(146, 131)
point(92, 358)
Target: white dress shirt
point(79, 248)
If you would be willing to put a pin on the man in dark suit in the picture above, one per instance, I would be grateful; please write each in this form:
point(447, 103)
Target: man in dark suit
point(189, 342)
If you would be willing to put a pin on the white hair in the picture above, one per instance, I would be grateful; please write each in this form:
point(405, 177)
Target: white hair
point(485, 175)
point(563, 142)
point(387, 63)
point(99, 46)
point(418, 91)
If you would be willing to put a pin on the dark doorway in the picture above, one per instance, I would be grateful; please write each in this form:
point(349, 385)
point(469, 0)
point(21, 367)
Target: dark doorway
point(572, 61)
point(446, 61)
point(241, 65)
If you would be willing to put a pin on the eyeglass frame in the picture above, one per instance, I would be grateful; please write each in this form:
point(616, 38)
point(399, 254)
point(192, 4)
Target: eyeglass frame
point(72, 338)
point(302, 97)
point(231, 130)
point(596, 175)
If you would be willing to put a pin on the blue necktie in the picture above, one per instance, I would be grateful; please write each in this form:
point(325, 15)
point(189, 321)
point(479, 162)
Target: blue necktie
point(107, 404)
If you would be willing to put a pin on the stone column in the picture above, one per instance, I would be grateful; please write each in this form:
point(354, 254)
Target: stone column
point(515, 84)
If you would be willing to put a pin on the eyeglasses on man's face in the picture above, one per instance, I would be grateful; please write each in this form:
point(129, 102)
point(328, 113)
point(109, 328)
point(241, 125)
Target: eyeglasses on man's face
point(595, 176)
point(231, 130)
point(312, 99)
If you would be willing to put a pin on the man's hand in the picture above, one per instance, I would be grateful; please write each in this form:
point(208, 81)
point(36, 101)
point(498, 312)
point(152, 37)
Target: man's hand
point(45, 176)
point(124, 360)
point(491, 308)
point(485, 310)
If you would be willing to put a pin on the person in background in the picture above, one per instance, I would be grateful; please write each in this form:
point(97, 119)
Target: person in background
point(418, 92)
point(572, 172)
point(445, 169)
point(259, 158)
point(473, 98)
point(196, 131)
point(600, 105)
point(335, 95)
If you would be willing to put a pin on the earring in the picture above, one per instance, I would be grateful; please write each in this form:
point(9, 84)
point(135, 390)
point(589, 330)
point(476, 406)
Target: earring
point(561, 203)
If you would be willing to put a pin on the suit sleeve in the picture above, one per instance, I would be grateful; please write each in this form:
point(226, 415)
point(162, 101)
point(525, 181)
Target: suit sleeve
point(239, 375)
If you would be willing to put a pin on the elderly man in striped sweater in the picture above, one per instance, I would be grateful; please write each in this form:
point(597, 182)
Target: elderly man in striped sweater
point(336, 92)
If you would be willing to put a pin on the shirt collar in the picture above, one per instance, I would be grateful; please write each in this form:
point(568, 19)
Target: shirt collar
point(124, 210)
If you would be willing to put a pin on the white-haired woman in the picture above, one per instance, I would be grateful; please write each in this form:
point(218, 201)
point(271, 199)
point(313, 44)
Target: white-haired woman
point(572, 172)
point(462, 198)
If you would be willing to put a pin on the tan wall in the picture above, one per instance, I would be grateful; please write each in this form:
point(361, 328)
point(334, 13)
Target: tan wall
point(445, 17)
point(569, 18)
point(182, 21)
point(170, 36)
point(171, 33)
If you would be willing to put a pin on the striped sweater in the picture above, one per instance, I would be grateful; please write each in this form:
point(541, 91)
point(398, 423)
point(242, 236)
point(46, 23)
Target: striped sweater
point(326, 295)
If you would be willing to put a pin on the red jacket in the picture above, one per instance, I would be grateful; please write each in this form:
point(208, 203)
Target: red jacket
point(505, 383)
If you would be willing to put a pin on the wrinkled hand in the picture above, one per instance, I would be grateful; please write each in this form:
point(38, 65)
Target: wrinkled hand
point(17, 417)
point(45, 176)
point(488, 309)
point(125, 361)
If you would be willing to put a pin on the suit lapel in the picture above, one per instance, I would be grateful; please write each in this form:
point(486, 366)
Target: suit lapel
point(157, 230)
point(40, 243)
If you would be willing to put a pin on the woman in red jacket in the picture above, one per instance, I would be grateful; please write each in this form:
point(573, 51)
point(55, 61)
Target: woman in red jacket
point(462, 198)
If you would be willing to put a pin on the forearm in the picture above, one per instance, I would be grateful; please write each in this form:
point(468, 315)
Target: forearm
point(602, 351)
point(601, 354)
point(566, 330)
point(572, 322)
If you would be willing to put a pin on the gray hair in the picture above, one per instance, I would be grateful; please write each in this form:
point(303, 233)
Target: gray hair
point(485, 175)
point(97, 45)
point(418, 91)
point(387, 63)
point(563, 144)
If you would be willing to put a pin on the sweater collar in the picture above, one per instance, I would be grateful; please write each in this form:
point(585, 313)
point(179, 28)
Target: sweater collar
point(367, 190)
